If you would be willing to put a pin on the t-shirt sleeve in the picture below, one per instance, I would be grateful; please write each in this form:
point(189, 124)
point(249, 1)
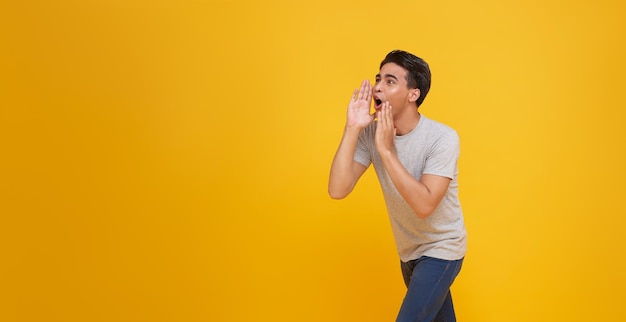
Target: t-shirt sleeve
point(362, 154)
point(443, 157)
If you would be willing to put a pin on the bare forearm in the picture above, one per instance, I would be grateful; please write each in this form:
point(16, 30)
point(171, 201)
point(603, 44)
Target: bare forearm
point(342, 173)
point(345, 172)
point(418, 195)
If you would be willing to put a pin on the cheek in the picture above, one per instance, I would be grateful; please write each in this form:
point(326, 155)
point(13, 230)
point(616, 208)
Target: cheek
point(391, 93)
point(395, 97)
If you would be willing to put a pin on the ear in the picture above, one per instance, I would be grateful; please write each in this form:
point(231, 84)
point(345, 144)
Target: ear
point(414, 94)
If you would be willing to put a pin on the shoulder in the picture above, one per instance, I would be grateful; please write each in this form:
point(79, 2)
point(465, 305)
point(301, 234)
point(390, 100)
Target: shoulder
point(439, 131)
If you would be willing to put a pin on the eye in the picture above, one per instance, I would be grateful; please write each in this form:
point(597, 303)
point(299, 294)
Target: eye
point(377, 80)
point(390, 82)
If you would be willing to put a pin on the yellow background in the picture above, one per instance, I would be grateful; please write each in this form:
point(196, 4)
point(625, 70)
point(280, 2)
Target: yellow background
point(168, 160)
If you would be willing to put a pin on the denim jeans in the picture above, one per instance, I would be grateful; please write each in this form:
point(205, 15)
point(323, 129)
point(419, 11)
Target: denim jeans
point(428, 297)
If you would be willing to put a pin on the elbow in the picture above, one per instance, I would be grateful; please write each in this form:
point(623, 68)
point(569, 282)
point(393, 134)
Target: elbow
point(423, 212)
point(338, 190)
point(422, 215)
point(336, 194)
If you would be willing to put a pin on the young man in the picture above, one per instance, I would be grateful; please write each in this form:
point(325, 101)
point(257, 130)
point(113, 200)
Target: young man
point(415, 159)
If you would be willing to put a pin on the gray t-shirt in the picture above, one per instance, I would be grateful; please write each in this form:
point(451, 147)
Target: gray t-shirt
point(430, 148)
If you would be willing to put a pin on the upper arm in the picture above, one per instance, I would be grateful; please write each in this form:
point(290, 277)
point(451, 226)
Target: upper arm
point(342, 181)
point(440, 169)
point(437, 187)
point(443, 156)
point(358, 170)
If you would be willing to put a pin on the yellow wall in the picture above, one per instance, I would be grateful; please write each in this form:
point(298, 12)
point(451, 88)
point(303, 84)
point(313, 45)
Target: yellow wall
point(168, 160)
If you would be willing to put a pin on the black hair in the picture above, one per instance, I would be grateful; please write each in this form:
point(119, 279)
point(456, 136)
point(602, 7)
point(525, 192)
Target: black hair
point(418, 72)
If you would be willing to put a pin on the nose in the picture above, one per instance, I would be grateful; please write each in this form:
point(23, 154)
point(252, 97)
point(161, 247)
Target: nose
point(377, 87)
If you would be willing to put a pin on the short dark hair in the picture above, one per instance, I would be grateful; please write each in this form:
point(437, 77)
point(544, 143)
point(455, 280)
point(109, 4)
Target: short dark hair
point(418, 72)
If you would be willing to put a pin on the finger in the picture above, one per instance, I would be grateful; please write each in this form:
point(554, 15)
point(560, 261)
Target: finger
point(362, 90)
point(388, 116)
point(355, 93)
point(368, 94)
point(379, 127)
point(383, 116)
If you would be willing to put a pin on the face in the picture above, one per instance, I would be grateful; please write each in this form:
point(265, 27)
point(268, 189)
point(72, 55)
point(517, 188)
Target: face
point(391, 85)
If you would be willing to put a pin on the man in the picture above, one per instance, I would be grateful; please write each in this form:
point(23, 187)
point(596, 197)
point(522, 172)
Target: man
point(415, 159)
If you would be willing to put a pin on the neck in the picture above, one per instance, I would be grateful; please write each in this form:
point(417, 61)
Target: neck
point(407, 121)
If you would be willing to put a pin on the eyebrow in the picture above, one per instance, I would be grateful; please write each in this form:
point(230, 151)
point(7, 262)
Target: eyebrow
point(387, 75)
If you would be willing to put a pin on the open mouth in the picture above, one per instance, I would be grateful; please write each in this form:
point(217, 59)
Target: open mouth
point(377, 102)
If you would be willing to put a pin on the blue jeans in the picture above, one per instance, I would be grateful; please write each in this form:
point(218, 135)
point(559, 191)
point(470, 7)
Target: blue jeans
point(428, 297)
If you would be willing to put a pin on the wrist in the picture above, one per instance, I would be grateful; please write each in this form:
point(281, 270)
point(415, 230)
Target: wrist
point(353, 129)
point(385, 153)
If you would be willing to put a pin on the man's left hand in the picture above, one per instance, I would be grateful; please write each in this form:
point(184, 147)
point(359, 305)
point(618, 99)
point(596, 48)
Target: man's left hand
point(385, 130)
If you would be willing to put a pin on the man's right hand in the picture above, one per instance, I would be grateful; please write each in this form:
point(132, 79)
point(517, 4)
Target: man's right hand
point(345, 171)
point(359, 108)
